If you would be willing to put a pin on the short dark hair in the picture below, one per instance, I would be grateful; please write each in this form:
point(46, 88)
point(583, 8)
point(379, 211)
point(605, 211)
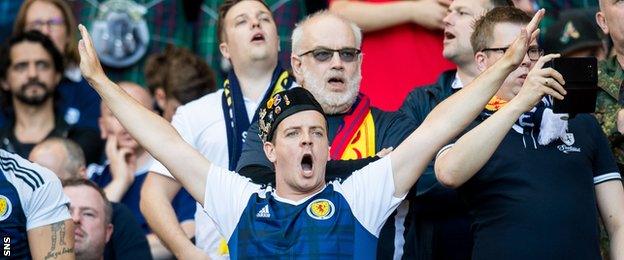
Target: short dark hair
point(483, 36)
point(108, 207)
point(224, 8)
point(180, 73)
point(29, 36)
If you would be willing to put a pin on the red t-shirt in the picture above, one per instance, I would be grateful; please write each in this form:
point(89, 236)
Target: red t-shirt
point(397, 59)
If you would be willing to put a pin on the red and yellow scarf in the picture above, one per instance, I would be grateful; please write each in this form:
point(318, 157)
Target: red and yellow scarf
point(356, 137)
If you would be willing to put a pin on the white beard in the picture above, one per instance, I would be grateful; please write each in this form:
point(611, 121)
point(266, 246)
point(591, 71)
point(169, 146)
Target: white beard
point(332, 102)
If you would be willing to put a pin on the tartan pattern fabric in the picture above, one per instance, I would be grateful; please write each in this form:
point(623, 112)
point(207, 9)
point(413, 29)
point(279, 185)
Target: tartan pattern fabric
point(290, 231)
point(168, 25)
point(165, 20)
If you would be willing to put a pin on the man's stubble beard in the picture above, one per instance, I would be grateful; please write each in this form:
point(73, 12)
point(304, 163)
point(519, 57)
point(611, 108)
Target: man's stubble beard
point(33, 100)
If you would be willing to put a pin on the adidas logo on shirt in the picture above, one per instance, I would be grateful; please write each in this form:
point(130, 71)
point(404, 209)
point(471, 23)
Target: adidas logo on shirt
point(264, 212)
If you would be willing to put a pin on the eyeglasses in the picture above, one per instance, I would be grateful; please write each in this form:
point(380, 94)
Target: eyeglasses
point(534, 52)
point(38, 24)
point(325, 54)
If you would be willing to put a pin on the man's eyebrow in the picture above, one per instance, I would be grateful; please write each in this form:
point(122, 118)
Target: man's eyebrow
point(293, 128)
point(240, 15)
point(86, 208)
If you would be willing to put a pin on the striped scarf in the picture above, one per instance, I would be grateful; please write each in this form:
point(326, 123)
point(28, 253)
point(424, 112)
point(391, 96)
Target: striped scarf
point(551, 126)
point(236, 120)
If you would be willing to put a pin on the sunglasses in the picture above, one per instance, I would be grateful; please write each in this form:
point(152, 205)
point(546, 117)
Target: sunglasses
point(325, 54)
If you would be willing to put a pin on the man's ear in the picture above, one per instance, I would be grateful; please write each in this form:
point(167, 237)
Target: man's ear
point(82, 172)
point(269, 151)
point(481, 61)
point(602, 22)
point(109, 231)
point(225, 51)
point(295, 63)
point(160, 97)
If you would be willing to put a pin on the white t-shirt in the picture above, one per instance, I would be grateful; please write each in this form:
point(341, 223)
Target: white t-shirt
point(369, 193)
point(40, 192)
point(202, 125)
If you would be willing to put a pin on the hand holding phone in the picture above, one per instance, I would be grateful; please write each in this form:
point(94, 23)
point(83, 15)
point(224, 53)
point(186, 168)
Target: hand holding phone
point(581, 83)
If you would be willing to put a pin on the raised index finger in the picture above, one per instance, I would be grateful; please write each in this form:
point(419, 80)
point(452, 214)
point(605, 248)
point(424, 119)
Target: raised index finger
point(534, 23)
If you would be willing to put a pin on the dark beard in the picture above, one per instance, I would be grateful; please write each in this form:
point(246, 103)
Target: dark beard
point(35, 100)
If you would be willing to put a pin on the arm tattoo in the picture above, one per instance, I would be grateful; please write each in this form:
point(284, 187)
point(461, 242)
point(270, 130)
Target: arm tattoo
point(58, 230)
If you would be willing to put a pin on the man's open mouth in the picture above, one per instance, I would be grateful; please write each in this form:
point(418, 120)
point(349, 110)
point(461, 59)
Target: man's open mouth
point(306, 162)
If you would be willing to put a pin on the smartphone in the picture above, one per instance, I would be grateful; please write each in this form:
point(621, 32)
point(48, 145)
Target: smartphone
point(581, 83)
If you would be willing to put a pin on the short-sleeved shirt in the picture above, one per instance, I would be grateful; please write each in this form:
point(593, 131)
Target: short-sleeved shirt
point(182, 203)
point(30, 196)
point(391, 128)
point(342, 220)
point(540, 203)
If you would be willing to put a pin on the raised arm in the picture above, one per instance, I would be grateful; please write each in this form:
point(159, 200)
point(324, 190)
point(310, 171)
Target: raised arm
point(154, 133)
point(53, 241)
point(376, 16)
point(456, 165)
point(453, 115)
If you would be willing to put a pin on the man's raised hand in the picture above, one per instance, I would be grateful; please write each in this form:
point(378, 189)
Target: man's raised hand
point(518, 49)
point(89, 63)
point(541, 81)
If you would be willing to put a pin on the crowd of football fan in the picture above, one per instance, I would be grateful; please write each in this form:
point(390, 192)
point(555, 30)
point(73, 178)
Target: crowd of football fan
point(211, 129)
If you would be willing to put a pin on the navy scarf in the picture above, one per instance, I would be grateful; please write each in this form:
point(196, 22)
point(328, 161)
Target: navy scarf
point(236, 120)
point(529, 122)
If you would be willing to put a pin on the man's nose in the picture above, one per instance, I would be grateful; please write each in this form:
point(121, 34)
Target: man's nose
point(336, 62)
point(75, 215)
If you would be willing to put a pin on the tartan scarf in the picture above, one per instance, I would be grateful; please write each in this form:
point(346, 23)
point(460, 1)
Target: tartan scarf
point(236, 119)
